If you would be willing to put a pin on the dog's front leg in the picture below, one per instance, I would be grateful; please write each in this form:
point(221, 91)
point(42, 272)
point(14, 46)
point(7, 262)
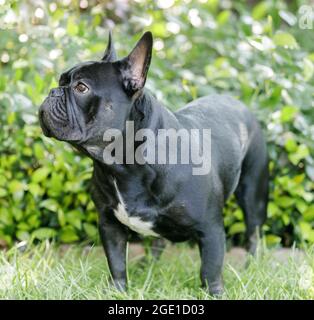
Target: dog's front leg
point(212, 250)
point(114, 239)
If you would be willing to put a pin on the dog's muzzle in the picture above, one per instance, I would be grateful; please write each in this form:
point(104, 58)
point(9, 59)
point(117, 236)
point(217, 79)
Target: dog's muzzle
point(58, 118)
point(53, 113)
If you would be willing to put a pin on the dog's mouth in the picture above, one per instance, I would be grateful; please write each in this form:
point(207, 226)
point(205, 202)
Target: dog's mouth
point(45, 129)
point(55, 122)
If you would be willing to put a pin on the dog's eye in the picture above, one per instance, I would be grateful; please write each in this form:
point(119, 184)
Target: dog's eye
point(81, 88)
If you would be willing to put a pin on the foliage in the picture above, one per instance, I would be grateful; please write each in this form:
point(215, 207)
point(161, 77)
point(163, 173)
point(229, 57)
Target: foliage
point(258, 53)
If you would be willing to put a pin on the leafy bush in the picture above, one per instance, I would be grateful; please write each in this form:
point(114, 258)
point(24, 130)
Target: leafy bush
point(257, 53)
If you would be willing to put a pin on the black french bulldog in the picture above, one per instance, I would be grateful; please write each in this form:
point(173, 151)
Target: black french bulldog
point(162, 200)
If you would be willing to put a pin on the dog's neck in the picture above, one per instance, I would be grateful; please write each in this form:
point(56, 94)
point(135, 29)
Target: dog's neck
point(146, 113)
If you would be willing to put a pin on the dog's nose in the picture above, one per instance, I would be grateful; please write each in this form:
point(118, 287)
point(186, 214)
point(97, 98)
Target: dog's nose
point(56, 92)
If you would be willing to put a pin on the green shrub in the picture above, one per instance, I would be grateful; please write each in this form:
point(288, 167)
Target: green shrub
point(259, 54)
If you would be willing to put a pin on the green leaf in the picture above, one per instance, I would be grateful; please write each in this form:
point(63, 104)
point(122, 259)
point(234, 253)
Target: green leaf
point(22, 235)
point(11, 118)
point(272, 240)
point(285, 219)
point(40, 174)
point(308, 215)
point(50, 204)
point(223, 17)
point(15, 186)
point(285, 201)
point(301, 153)
point(308, 196)
point(308, 69)
point(3, 180)
point(273, 209)
point(286, 40)
point(260, 10)
point(291, 145)
point(39, 151)
point(74, 218)
point(17, 213)
point(61, 218)
point(301, 206)
point(237, 228)
point(35, 189)
point(56, 186)
point(159, 29)
point(288, 113)
point(90, 230)
point(33, 220)
point(238, 214)
point(72, 27)
point(44, 233)
point(68, 235)
point(307, 231)
point(24, 226)
point(3, 192)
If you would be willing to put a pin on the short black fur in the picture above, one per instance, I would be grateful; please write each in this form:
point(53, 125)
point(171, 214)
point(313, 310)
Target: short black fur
point(179, 205)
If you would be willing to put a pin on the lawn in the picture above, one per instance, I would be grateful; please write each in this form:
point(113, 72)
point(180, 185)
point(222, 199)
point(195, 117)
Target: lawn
point(79, 272)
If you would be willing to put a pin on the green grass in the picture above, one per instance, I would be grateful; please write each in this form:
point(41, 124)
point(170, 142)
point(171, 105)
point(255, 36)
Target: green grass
point(48, 272)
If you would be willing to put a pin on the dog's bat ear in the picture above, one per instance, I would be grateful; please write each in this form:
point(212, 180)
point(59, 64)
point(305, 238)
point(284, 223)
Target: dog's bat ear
point(110, 53)
point(135, 66)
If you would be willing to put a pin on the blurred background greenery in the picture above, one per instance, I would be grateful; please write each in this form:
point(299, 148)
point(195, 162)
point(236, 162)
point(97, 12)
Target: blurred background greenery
point(260, 51)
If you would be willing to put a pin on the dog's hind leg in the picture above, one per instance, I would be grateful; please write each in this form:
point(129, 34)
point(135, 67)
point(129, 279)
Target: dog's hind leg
point(252, 190)
point(154, 249)
point(158, 245)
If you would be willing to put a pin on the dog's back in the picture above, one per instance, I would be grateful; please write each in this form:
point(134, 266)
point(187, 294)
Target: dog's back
point(223, 114)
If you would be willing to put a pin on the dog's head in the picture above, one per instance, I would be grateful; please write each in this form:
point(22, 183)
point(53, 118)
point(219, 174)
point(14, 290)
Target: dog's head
point(95, 96)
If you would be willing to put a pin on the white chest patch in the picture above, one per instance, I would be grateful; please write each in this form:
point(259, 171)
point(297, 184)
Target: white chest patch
point(134, 223)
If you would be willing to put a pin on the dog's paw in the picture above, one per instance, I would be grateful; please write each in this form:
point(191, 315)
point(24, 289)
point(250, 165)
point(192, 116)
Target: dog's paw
point(118, 284)
point(215, 289)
